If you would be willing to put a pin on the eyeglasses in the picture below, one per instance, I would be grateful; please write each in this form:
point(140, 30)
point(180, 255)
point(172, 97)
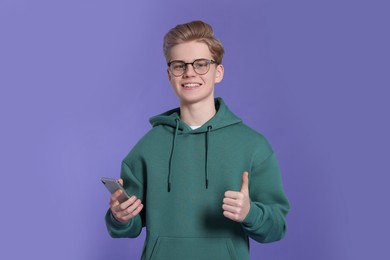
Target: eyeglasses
point(201, 66)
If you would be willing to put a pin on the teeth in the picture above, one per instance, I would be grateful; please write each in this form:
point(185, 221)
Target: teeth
point(189, 85)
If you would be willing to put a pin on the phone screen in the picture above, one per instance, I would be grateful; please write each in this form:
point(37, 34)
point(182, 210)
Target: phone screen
point(113, 185)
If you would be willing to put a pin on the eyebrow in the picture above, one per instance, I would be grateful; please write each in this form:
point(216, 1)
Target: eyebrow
point(192, 60)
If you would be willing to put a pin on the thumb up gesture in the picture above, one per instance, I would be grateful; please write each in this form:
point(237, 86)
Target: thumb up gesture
point(236, 204)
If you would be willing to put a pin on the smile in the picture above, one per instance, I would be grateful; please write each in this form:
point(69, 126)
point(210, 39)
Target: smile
point(191, 85)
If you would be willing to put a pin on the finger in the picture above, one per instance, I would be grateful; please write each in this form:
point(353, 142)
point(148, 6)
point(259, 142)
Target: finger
point(245, 183)
point(120, 181)
point(114, 197)
point(116, 206)
point(134, 213)
point(231, 216)
point(121, 210)
point(124, 205)
point(234, 202)
point(230, 202)
point(231, 209)
point(233, 194)
point(133, 206)
point(138, 209)
point(129, 210)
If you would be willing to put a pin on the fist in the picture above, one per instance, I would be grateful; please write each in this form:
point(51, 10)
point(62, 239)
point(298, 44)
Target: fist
point(236, 204)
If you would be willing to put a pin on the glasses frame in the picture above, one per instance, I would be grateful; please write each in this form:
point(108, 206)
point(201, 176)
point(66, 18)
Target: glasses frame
point(192, 63)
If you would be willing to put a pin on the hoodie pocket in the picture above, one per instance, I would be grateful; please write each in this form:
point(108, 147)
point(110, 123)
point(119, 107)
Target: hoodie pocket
point(171, 248)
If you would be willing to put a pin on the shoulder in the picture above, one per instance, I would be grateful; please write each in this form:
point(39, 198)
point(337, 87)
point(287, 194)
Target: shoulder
point(157, 136)
point(255, 143)
point(246, 133)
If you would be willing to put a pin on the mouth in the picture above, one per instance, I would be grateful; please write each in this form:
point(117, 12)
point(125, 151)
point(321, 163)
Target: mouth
point(191, 85)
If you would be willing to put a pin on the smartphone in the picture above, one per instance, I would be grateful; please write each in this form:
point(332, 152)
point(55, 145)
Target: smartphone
point(113, 185)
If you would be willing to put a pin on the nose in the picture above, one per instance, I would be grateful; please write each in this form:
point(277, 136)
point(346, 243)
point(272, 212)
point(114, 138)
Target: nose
point(189, 71)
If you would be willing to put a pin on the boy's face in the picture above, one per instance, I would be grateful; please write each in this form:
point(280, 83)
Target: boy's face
point(192, 87)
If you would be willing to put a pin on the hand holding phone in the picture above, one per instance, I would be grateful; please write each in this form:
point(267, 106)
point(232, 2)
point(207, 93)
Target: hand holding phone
point(122, 206)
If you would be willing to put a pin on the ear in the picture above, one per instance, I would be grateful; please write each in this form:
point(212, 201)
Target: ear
point(219, 73)
point(169, 75)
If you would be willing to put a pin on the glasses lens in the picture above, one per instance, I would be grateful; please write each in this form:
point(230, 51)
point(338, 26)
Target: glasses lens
point(177, 68)
point(201, 66)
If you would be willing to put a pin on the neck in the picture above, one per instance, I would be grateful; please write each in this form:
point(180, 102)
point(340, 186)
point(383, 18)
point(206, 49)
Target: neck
point(197, 113)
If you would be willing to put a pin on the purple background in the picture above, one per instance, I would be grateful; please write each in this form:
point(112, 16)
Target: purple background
point(79, 80)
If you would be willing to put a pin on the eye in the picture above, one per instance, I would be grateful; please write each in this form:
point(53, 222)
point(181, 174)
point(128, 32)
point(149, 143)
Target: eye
point(200, 64)
point(178, 65)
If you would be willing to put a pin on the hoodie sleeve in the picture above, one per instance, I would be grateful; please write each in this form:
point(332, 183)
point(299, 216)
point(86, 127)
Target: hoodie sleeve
point(133, 186)
point(265, 221)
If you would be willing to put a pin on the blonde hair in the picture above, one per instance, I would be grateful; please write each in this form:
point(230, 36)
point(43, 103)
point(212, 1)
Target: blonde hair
point(193, 31)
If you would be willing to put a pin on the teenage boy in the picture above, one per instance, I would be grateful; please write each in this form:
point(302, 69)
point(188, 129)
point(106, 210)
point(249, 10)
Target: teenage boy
point(200, 180)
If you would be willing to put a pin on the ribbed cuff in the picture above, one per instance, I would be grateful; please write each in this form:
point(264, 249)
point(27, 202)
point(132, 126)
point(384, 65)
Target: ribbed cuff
point(254, 214)
point(116, 223)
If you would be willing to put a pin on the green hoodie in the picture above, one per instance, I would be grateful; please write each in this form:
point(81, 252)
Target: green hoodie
point(181, 176)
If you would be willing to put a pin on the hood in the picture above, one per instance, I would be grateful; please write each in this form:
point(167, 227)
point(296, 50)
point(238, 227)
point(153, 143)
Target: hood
point(223, 118)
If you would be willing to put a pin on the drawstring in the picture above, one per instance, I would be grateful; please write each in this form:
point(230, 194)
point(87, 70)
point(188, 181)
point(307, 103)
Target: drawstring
point(170, 157)
point(207, 157)
point(173, 149)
